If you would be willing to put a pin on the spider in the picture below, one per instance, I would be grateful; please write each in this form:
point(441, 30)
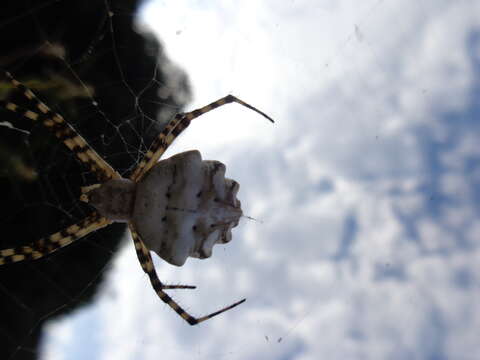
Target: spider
point(177, 207)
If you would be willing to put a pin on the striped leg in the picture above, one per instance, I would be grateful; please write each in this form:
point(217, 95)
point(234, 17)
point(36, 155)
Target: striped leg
point(158, 147)
point(147, 266)
point(48, 245)
point(62, 130)
point(146, 261)
point(175, 128)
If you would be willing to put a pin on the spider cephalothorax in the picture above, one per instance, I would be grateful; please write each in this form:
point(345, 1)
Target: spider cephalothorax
point(178, 207)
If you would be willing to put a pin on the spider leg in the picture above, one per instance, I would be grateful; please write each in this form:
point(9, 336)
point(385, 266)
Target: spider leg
point(146, 261)
point(147, 265)
point(62, 130)
point(175, 127)
point(157, 148)
point(45, 246)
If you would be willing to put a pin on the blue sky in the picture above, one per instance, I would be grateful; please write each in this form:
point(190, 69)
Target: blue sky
point(367, 188)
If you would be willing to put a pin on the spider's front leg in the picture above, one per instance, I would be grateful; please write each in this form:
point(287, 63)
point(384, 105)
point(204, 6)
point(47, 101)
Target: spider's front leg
point(62, 130)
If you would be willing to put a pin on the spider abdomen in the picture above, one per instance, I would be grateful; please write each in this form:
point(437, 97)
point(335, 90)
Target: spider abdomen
point(184, 206)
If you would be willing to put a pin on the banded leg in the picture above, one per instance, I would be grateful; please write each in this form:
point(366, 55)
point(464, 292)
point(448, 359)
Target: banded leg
point(146, 261)
point(52, 243)
point(62, 130)
point(153, 154)
point(175, 128)
point(147, 265)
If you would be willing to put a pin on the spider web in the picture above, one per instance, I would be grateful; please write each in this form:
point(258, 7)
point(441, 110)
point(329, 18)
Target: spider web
point(92, 63)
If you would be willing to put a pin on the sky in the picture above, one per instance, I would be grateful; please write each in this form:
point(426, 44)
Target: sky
point(365, 190)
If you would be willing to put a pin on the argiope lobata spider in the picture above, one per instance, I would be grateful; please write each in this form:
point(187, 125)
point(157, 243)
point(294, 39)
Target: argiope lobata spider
point(178, 207)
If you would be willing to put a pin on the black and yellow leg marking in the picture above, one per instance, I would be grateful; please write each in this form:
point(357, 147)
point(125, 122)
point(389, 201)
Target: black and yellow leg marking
point(225, 100)
point(175, 127)
point(156, 150)
point(147, 265)
point(146, 261)
point(52, 243)
point(62, 130)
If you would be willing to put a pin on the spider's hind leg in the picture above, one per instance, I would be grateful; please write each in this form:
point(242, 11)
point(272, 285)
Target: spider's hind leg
point(147, 265)
point(45, 246)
